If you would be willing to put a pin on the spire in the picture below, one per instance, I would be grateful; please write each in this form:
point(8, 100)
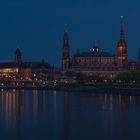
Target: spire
point(122, 22)
point(65, 50)
point(122, 46)
point(18, 58)
point(66, 37)
point(122, 34)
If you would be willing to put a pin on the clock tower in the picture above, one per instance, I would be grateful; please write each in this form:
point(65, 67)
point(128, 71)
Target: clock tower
point(122, 46)
point(65, 52)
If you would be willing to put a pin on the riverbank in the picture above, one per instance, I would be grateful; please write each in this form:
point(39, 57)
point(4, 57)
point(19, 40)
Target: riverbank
point(96, 88)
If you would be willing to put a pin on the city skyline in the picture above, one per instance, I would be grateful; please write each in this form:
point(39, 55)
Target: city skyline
point(95, 42)
point(37, 28)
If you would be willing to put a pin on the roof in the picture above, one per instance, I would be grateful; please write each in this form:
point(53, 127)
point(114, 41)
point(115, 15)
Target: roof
point(92, 54)
point(25, 65)
point(7, 65)
point(35, 65)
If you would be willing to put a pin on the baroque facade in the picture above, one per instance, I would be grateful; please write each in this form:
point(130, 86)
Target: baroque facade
point(97, 62)
point(19, 70)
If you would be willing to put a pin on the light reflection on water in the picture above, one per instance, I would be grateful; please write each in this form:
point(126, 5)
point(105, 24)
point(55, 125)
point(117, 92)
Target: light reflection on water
point(68, 116)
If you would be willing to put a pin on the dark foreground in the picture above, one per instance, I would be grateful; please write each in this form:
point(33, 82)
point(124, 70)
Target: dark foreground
point(51, 115)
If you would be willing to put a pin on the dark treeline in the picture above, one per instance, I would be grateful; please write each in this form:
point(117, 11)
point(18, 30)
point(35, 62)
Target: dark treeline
point(123, 77)
point(128, 77)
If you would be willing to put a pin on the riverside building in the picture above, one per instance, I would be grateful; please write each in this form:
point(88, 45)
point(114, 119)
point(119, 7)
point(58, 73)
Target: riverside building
point(97, 62)
point(19, 70)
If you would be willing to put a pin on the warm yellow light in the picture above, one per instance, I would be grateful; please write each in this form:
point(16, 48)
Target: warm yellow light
point(9, 70)
point(121, 47)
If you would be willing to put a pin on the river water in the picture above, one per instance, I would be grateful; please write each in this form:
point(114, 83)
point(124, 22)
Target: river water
point(52, 115)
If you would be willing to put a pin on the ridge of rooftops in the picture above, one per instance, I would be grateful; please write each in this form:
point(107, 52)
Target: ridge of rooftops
point(24, 64)
point(94, 54)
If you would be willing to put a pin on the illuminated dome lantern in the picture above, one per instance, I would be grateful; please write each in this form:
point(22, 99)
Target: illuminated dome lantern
point(95, 47)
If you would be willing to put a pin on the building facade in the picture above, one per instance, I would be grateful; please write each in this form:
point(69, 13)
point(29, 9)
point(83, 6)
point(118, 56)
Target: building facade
point(97, 62)
point(18, 70)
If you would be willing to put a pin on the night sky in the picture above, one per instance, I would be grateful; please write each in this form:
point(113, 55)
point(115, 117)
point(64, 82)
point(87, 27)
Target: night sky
point(37, 26)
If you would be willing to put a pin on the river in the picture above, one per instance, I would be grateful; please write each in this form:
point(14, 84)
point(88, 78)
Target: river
point(52, 115)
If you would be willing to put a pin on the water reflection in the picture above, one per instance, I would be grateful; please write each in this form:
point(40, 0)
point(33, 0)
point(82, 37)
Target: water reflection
point(65, 116)
point(11, 104)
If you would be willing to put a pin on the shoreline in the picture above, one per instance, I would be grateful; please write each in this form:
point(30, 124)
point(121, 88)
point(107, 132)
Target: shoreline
point(119, 89)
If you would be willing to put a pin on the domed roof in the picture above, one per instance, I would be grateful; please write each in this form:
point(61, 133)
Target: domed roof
point(95, 47)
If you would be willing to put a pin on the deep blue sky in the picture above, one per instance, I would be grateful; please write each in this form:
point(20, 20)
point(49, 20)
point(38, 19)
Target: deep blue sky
point(37, 26)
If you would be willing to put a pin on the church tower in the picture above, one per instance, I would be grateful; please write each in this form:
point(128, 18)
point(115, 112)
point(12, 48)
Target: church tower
point(18, 58)
point(65, 52)
point(122, 46)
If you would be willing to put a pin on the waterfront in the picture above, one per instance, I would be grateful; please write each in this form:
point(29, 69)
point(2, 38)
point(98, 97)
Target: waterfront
point(52, 115)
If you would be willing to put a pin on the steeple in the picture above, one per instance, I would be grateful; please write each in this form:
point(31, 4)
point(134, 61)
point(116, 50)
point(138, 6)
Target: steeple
point(18, 58)
point(122, 34)
point(122, 22)
point(65, 51)
point(66, 37)
point(122, 46)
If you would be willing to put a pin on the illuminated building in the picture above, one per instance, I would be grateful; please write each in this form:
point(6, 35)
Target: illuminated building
point(19, 70)
point(97, 62)
point(94, 62)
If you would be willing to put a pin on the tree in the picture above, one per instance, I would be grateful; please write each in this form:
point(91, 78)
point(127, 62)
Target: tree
point(128, 77)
